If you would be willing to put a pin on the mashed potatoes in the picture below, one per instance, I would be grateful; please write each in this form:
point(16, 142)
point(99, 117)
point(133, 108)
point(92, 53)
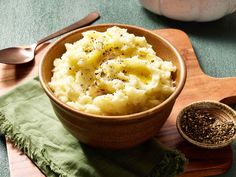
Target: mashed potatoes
point(111, 73)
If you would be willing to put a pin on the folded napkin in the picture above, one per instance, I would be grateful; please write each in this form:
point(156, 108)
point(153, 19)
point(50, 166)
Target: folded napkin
point(27, 118)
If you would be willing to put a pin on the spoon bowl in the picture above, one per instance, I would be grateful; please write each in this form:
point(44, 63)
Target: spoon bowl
point(24, 54)
point(18, 55)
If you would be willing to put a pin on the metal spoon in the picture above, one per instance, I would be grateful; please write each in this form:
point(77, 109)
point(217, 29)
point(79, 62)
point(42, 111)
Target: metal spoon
point(20, 55)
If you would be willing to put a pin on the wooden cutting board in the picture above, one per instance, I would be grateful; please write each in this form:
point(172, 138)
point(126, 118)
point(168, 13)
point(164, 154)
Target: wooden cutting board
point(198, 87)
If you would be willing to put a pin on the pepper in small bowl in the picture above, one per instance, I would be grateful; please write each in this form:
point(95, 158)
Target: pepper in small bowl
point(207, 124)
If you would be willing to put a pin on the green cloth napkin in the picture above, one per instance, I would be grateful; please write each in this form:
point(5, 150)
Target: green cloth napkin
point(27, 118)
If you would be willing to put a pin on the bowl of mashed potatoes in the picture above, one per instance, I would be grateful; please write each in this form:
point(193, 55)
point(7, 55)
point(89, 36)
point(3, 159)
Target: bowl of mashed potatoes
point(112, 85)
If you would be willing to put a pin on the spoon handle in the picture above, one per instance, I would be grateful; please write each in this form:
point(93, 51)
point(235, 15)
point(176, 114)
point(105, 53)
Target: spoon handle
point(83, 22)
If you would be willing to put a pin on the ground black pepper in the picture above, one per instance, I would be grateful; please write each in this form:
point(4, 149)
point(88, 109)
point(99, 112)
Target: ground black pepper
point(204, 127)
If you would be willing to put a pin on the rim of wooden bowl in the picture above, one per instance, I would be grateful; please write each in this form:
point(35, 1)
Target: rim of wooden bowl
point(206, 104)
point(138, 115)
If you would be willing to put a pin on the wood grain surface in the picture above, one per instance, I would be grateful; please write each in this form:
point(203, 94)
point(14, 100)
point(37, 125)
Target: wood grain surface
point(198, 87)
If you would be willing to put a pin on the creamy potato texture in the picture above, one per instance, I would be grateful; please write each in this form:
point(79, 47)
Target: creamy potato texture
point(111, 73)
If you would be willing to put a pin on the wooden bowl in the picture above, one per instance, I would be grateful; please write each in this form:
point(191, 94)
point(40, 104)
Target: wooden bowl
point(207, 124)
point(114, 132)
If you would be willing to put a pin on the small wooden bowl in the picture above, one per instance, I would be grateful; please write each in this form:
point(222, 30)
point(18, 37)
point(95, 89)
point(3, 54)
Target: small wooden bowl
point(114, 132)
point(215, 113)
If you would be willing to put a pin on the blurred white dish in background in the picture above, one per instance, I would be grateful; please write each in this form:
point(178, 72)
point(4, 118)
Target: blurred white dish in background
point(191, 10)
